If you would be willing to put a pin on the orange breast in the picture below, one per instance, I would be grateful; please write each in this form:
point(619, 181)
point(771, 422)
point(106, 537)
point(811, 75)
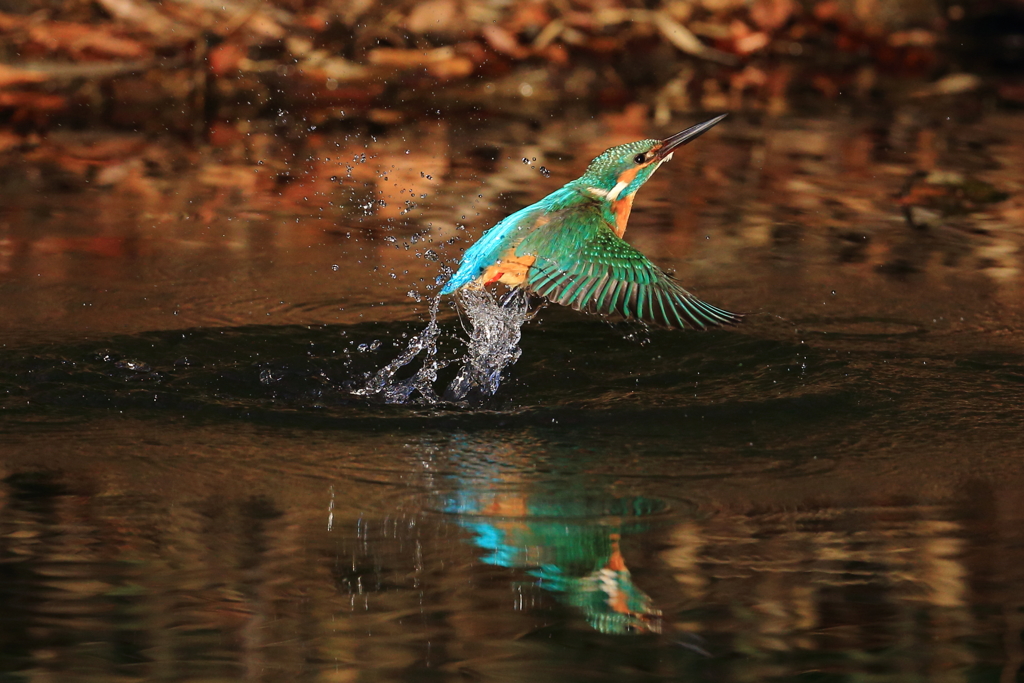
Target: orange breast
point(623, 205)
point(622, 208)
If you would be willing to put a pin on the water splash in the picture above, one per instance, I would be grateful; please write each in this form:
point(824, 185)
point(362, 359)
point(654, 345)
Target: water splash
point(384, 385)
point(493, 329)
point(494, 332)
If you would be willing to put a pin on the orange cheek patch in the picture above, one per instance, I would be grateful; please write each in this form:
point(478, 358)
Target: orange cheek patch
point(629, 175)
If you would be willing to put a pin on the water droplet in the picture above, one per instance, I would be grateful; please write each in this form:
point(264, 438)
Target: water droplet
point(268, 376)
point(335, 267)
point(133, 365)
point(545, 172)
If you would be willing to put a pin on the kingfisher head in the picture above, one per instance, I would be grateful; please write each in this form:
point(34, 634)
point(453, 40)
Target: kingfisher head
point(617, 173)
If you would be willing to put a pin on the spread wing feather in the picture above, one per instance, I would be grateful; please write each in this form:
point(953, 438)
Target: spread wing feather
point(591, 269)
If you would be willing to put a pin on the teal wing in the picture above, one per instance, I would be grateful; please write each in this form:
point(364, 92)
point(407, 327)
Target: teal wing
point(491, 245)
point(510, 231)
point(592, 269)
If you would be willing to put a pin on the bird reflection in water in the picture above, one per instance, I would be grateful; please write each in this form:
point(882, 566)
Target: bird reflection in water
point(570, 545)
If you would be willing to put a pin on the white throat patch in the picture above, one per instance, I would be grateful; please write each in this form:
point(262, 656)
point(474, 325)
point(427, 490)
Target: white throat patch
point(613, 194)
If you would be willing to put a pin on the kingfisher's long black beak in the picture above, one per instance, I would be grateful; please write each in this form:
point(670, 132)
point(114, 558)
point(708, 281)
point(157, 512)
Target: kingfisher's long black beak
point(681, 138)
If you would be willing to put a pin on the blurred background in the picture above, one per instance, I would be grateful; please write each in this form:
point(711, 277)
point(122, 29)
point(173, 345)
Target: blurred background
point(156, 140)
point(128, 129)
point(218, 218)
point(217, 71)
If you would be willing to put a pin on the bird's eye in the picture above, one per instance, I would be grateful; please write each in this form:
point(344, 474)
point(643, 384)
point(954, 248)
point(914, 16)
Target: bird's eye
point(640, 158)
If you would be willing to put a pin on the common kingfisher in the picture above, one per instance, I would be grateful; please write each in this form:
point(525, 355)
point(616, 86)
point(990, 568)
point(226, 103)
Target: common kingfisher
point(568, 247)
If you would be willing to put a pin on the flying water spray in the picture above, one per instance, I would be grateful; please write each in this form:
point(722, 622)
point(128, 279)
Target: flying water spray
point(493, 328)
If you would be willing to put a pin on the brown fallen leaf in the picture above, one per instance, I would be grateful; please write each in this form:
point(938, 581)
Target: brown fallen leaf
point(548, 34)
point(234, 177)
point(79, 39)
point(826, 85)
point(408, 59)
point(952, 84)
point(684, 39)
point(751, 43)
point(338, 69)
point(57, 71)
point(503, 42)
point(11, 75)
point(745, 40)
point(580, 20)
point(827, 10)
point(114, 174)
point(385, 116)
point(556, 53)
point(263, 25)
point(771, 15)
point(866, 10)
point(456, 67)
point(11, 22)
point(750, 77)
point(433, 16)
point(225, 58)
point(677, 34)
point(98, 146)
point(299, 47)
point(145, 17)
point(917, 37)
point(528, 16)
point(32, 101)
point(9, 140)
point(224, 134)
point(722, 6)
point(318, 20)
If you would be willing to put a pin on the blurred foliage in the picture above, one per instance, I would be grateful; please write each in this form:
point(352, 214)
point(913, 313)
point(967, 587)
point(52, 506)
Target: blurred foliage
point(178, 64)
point(100, 94)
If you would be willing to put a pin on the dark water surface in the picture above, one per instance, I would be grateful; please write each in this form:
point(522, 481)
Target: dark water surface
point(831, 491)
